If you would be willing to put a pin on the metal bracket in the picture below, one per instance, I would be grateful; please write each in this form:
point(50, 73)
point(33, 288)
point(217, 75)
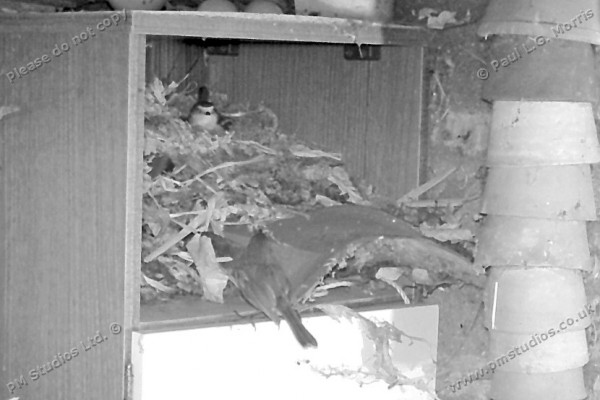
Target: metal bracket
point(365, 52)
point(222, 48)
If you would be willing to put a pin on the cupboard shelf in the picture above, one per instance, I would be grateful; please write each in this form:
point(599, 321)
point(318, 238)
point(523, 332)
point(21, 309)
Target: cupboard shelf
point(183, 312)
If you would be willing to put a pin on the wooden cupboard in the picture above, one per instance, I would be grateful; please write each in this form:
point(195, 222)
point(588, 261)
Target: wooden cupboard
point(71, 160)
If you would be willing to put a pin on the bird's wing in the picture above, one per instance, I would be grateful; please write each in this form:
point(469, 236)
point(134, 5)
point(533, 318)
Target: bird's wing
point(258, 293)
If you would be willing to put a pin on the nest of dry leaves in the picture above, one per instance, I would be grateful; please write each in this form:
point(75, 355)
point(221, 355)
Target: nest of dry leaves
point(249, 174)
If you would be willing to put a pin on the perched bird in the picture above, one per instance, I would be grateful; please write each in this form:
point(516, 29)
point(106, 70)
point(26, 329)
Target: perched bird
point(265, 285)
point(203, 113)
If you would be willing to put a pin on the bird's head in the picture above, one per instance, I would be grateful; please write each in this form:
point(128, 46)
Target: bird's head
point(203, 108)
point(204, 115)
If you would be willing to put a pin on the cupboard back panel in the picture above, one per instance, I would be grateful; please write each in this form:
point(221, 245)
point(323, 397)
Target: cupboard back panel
point(171, 58)
point(371, 111)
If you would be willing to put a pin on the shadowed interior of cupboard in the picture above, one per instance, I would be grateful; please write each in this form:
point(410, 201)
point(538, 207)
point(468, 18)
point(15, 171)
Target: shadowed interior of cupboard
point(355, 107)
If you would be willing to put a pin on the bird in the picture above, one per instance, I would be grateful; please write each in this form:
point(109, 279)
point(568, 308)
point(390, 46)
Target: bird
point(258, 275)
point(203, 113)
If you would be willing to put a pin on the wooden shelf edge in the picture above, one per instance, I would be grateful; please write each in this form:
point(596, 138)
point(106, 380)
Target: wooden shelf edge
point(188, 312)
point(285, 28)
point(62, 22)
point(294, 28)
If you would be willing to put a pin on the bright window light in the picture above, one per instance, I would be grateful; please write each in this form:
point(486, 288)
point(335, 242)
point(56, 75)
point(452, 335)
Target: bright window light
point(265, 362)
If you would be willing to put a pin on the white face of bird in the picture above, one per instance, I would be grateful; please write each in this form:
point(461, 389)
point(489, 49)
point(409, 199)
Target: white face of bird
point(204, 115)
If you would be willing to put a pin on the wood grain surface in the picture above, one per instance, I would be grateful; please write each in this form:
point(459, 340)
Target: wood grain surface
point(370, 111)
point(70, 181)
point(171, 58)
point(293, 28)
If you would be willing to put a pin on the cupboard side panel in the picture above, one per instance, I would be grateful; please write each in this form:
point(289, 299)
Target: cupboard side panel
point(65, 188)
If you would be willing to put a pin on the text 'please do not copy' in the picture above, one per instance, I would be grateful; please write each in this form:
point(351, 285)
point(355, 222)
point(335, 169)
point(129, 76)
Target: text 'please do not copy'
point(64, 47)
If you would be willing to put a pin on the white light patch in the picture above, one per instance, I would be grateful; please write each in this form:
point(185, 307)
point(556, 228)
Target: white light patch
point(267, 362)
point(494, 304)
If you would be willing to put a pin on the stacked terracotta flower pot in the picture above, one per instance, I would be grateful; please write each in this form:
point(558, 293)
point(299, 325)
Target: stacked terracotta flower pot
point(539, 195)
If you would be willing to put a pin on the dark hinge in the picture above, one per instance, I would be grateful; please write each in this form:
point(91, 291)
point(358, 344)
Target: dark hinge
point(222, 48)
point(365, 52)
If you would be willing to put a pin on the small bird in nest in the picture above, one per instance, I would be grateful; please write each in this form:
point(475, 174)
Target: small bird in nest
point(258, 275)
point(203, 114)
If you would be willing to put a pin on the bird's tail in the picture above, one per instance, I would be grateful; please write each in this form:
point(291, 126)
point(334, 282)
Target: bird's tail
point(292, 317)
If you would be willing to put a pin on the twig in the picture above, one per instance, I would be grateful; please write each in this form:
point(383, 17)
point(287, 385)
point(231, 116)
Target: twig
point(441, 203)
point(444, 114)
point(259, 146)
point(476, 57)
point(415, 193)
point(439, 83)
point(181, 214)
point(191, 227)
point(223, 166)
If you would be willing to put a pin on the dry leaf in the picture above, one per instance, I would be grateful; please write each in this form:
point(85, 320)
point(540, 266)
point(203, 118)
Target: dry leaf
point(158, 286)
point(300, 150)
point(451, 235)
point(213, 279)
point(341, 179)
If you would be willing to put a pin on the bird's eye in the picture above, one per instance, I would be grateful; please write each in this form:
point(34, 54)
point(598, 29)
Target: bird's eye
point(207, 113)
